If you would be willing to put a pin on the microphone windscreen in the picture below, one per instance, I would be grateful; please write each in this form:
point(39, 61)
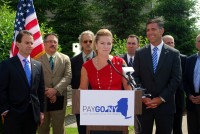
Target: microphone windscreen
point(109, 62)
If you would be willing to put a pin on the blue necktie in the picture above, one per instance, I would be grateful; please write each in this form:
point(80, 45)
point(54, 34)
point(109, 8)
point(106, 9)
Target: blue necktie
point(155, 58)
point(51, 63)
point(130, 63)
point(197, 75)
point(27, 70)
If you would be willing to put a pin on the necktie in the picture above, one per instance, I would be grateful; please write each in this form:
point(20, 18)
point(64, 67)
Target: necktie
point(27, 70)
point(155, 58)
point(197, 76)
point(51, 63)
point(87, 58)
point(130, 62)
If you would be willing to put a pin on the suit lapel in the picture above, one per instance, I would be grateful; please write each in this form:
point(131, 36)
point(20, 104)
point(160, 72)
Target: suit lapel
point(45, 61)
point(20, 69)
point(148, 58)
point(126, 59)
point(56, 62)
point(162, 58)
point(33, 70)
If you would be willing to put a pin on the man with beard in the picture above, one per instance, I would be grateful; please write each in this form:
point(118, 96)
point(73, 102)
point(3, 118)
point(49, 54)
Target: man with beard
point(57, 76)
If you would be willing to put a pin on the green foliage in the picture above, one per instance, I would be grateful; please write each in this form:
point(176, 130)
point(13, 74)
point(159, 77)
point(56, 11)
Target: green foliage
point(7, 16)
point(178, 22)
point(69, 21)
point(122, 17)
point(6, 30)
point(119, 45)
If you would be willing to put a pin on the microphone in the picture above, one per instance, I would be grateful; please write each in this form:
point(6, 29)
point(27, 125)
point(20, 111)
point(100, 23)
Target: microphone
point(130, 83)
point(128, 71)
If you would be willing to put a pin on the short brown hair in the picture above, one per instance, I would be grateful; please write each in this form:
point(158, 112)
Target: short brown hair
point(157, 20)
point(21, 34)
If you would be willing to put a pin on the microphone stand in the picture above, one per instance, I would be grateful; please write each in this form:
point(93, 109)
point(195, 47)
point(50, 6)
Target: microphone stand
point(128, 80)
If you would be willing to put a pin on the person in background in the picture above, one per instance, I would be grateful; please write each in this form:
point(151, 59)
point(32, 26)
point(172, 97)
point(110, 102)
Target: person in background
point(132, 43)
point(191, 81)
point(85, 40)
point(57, 76)
point(179, 95)
point(22, 89)
point(158, 70)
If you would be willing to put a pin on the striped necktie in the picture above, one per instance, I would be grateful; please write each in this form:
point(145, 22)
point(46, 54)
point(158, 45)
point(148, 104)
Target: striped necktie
point(27, 70)
point(130, 64)
point(155, 58)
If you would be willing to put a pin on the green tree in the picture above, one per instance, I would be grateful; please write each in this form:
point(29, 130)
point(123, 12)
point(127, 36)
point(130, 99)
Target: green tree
point(122, 17)
point(6, 30)
point(71, 18)
point(178, 22)
point(7, 27)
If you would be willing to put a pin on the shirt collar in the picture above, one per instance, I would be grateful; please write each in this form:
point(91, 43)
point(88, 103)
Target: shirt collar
point(159, 46)
point(128, 57)
point(89, 55)
point(54, 55)
point(22, 58)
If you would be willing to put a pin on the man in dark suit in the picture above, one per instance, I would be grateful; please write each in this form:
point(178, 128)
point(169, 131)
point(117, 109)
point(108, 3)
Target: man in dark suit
point(22, 89)
point(85, 40)
point(191, 81)
point(179, 95)
point(158, 70)
point(132, 43)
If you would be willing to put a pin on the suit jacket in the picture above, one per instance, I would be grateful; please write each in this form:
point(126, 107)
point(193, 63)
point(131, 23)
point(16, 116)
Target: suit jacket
point(60, 77)
point(15, 92)
point(188, 81)
point(124, 56)
point(76, 64)
point(166, 79)
point(179, 95)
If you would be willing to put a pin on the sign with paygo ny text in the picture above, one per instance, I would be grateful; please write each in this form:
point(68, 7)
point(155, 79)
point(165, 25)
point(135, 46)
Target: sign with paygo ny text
point(107, 107)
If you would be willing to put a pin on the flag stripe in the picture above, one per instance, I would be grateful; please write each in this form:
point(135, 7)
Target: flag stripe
point(26, 19)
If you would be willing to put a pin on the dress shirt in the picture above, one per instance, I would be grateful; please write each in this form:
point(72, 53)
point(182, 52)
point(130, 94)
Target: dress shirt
point(90, 55)
point(158, 51)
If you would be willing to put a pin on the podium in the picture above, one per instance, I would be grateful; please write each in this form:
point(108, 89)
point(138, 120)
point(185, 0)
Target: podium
point(120, 129)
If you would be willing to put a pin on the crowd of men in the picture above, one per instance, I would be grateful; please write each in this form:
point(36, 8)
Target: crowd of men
point(33, 93)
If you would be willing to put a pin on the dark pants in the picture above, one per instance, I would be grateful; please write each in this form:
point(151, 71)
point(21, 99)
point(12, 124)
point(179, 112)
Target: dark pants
point(193, 120)
point(20, 123)
point(163, 122)
point(177, 125)
point(81, 128)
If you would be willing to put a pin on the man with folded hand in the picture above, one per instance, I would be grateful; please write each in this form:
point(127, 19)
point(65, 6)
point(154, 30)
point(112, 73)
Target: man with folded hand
point(57, 76)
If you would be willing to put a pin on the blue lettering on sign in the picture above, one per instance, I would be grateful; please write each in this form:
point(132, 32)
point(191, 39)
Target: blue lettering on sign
point(121, 107)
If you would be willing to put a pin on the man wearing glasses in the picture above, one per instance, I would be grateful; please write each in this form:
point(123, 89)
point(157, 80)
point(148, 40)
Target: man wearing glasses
point(86, 42)
point(57, 76)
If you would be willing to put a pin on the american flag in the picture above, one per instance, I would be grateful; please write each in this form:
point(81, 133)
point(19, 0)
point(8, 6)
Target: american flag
point(26, 19)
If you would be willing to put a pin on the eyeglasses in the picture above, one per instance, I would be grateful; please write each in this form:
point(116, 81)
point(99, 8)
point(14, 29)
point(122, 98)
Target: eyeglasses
point(86, 41)
point(52, 41)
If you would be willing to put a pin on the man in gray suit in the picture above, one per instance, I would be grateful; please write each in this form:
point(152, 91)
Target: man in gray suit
point(158, 70)
point(57, 76)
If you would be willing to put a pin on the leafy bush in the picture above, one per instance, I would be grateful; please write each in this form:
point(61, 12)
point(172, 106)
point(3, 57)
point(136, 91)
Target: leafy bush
point(119, 45)
point(6, 30)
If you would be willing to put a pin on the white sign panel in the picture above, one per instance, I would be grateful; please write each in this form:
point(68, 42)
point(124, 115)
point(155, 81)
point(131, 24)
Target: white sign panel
point(107, 107)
